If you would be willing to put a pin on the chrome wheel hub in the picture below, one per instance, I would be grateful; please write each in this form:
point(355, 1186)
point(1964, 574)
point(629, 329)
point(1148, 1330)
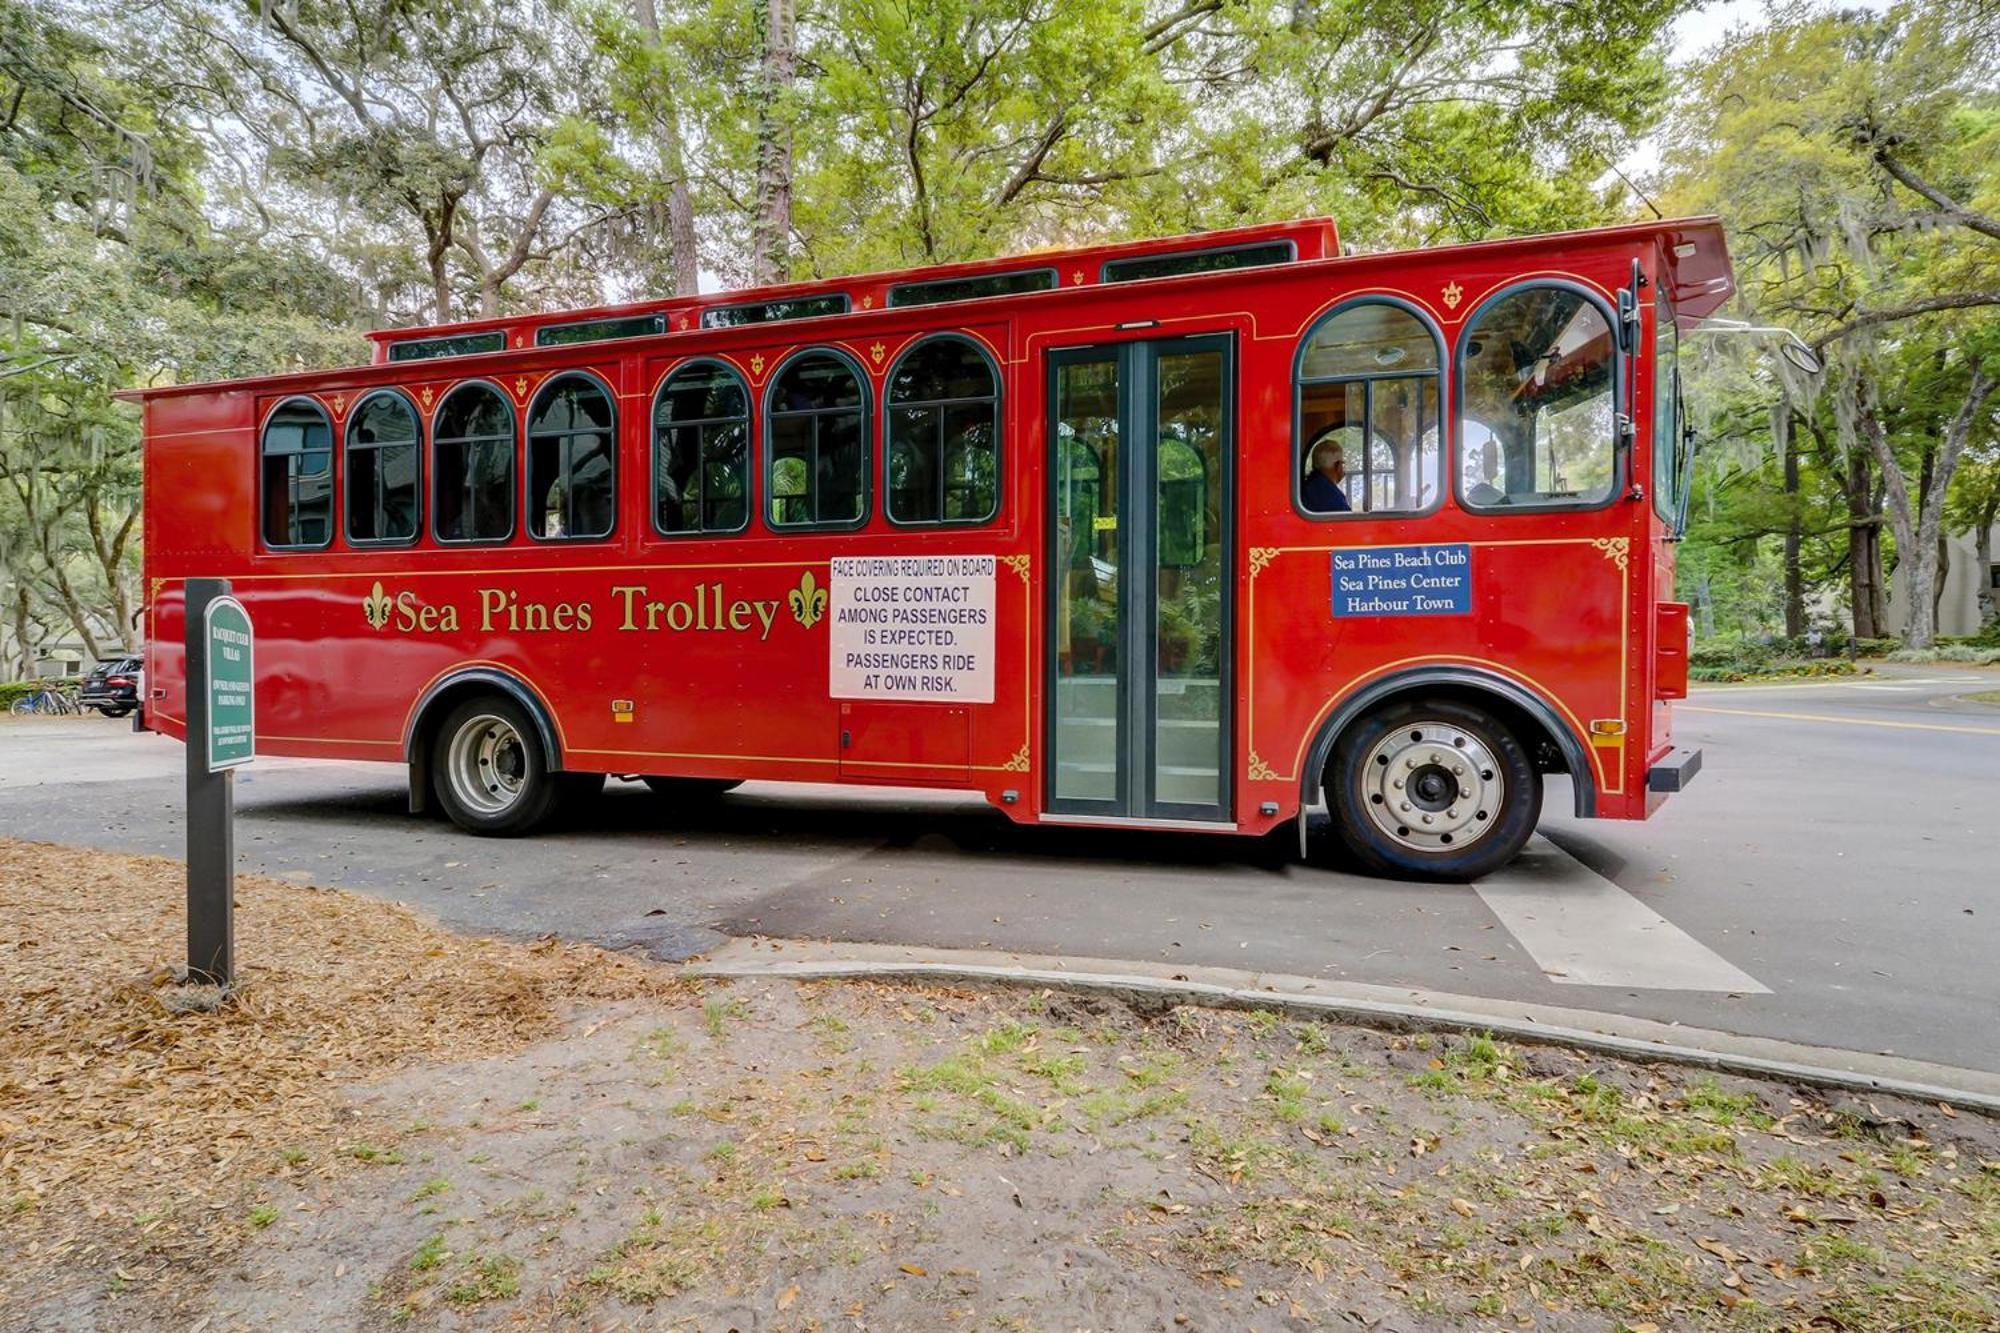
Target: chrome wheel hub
point(488, 764)
point(1432, 786)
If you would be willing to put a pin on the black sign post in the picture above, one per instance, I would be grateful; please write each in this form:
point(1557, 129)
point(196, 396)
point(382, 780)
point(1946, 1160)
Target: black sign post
point(220, 678)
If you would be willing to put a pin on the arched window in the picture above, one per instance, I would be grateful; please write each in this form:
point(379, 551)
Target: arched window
point(472, 465)
point(1369, 433)
point(701, 450)
point(298, 475)
point(572, 439)
point(817, 444)
point(383, 448)
point(944, 430)
point(1537, 407)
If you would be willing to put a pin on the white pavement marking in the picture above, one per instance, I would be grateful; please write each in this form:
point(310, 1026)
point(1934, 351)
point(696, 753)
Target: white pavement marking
point(1583, 930)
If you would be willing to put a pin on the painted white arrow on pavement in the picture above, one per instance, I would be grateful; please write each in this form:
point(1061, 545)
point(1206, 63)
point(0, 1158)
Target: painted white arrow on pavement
point(1583, 930)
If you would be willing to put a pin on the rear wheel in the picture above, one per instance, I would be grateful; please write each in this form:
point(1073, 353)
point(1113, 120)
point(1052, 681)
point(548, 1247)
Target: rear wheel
point(692, 789)
point(492, 777)
point(1432, 789)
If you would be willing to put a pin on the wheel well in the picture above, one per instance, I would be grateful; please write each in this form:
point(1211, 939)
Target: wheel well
point(1551, 746)
point(437, 704)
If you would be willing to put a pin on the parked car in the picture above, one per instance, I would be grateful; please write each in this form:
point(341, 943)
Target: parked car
point(112, 687)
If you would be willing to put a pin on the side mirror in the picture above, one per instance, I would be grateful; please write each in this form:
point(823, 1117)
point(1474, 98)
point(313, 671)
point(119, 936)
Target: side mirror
point(1805, 358)
point(1790, 345)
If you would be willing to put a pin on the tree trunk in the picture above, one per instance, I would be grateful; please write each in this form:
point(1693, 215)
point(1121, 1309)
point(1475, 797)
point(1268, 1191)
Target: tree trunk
point(771, 230)
point(21, 638)
point(1943, 577)
point(1864, 548)
point(673, 158)
point(1795, 583)
point(1982, 542)
point(1919, 527)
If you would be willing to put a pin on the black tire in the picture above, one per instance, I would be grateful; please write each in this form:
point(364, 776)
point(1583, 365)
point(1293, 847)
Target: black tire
point(519, 792)
point(115, 712)
point(1432, 789)
point(692, 789)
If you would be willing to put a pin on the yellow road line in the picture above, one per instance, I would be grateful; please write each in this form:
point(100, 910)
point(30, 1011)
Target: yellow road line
point(1842, 721)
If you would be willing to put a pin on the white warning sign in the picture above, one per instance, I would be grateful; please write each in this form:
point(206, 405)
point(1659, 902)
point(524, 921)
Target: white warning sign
point(912, 627)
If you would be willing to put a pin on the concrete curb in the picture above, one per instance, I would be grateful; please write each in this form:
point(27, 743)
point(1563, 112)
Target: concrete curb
point(1369, 1006)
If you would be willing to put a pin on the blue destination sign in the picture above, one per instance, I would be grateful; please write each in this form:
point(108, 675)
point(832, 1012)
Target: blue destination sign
point(1431, 580)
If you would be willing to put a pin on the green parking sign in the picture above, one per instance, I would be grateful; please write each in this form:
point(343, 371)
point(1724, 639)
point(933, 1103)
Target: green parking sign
point(230, 685)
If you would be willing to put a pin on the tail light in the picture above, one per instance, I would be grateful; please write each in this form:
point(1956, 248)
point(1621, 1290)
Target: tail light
point(118, 680)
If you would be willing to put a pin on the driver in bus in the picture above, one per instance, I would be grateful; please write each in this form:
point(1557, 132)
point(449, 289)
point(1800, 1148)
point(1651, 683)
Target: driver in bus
point(1322, 493)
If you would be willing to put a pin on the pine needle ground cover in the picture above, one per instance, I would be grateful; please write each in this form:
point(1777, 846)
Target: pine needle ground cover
point(393, 1126)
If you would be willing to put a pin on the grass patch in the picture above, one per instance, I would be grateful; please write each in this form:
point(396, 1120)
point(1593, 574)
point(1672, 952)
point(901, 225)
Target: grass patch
point(717, 1014)
point(430, 1254)
point(492, 1278)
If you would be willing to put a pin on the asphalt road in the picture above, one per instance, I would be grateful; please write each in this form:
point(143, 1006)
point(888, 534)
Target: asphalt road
point(1830, 878)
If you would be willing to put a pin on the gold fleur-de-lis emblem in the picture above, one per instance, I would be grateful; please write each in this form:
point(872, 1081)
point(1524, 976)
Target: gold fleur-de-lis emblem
point(520, 386)
point(680, 323)
point(519, 341)
point(376, 606)
point(339, 404)
point(1453, 294)
point(877, 352)
point(428, 394)
point(867, 303)
point(1076, 278)
point(808, 600)
point(757, 364)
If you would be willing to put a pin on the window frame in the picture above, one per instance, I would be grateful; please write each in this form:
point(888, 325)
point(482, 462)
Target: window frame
point(1666, 497)
point(750, 491)
point(421, 444)
point(515, 489)
point(1291, 248)
point(703, 321)
point(656, 320)
point(334, 479)
point(999, 431)
point(1438, 375)
point(889, 301)
point(527, 452)
point(868, 440)
point(1621, 456)
point(441, 340)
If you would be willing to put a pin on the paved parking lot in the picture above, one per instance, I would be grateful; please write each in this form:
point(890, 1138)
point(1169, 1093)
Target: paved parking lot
point(1828, 879)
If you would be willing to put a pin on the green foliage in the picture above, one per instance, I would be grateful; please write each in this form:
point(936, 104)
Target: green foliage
point(1853, 155)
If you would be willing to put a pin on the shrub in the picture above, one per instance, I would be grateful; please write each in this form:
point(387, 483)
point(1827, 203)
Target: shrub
point(1950, 652)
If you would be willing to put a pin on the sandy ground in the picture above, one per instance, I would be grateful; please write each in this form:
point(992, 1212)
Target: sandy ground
point(398, 1127)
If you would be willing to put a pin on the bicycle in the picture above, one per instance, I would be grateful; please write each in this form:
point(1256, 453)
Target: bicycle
point(46, 700)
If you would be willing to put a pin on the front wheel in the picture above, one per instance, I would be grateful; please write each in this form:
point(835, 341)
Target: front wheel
point(492, 777)
point(1432, 789)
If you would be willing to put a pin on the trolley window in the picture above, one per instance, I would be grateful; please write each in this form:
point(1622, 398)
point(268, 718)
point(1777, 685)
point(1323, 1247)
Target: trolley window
point(701, 451)
point(384, 445)
point(571, 440)
point(1538, 409)
point(298, 475)
point(944, 426)
point(472, 466)
point(816, 466)
point(1369, 434)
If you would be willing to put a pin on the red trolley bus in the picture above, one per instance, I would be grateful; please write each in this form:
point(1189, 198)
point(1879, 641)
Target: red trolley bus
point(1187, 534)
